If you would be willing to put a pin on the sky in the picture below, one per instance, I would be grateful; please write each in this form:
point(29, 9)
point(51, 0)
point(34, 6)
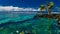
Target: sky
point(27, 3)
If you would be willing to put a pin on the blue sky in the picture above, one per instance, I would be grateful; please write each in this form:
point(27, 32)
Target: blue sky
point(27, 3)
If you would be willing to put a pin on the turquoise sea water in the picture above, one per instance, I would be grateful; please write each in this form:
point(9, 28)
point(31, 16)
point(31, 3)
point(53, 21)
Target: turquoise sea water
point(11, 22)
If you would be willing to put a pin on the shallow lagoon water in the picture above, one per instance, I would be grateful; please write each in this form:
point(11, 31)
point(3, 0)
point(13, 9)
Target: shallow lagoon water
point(10, 23)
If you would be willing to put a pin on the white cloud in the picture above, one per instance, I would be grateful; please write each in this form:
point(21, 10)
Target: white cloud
point(12, 8)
